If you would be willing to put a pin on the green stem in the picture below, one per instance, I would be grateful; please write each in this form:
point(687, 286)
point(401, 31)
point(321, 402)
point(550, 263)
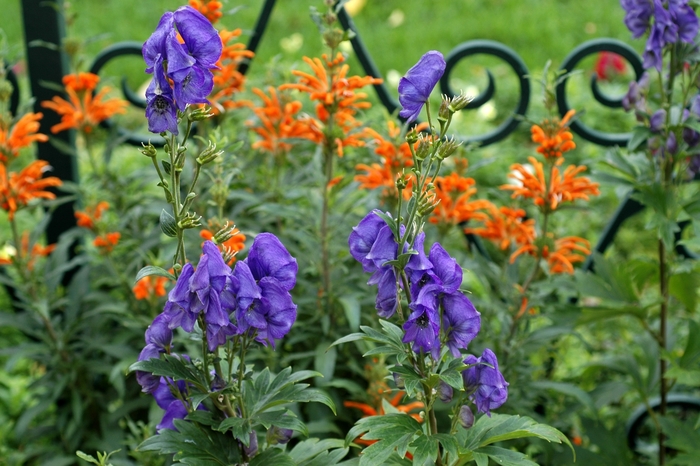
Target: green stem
point(663, 278)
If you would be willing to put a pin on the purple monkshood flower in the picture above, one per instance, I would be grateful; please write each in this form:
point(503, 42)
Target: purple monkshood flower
point(685, 19)
point(416, 86)
point(638, 15)
point(489, 390)
point(265, 278)
point(423, 328)
point(657, 121)
point(188, 65)
point(173, 407)
point(269, 258)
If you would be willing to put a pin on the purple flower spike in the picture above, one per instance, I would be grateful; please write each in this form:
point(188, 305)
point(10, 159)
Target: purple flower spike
point(269, 258)
point(423, 328)
point(416, 86)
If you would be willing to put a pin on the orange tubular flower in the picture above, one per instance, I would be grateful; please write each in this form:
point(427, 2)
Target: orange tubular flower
point(107, 242)
point(150, 286)
point(554, 136)
point(454, 192)
point(228, 81)
point(565, 187)
point(31, 256)
point(87, 113)
point(17, 190)
point(279, 121)
point(21, 135)
point(87, 218)
point(567, 251)
point(505, 226)
point(211, 9)
point(335, 96)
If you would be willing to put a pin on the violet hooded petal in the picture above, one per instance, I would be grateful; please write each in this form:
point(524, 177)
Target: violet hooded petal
point(159, 333)
point(461, 321)
point(180, 301)
point(418, 263)
point(160, 105)
point(201, 39)
point(155, 44)
point(423, 329)
point(416, 86)
point(269, 258)
point(387, 300)
point(384, 249)
point(363, 237)
point(192, 86)
point(175, 410)
point(492, 389)
point(248, 290)
point(279, 310)
point(149, 382)
point(445, 268)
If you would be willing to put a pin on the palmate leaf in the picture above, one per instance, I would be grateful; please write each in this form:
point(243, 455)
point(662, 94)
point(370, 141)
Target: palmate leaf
point(500, 427)
point(170, 366)
point(272, 456)
point(393, 432)
point(315, 452)
point(263, 393)
point(193, 446)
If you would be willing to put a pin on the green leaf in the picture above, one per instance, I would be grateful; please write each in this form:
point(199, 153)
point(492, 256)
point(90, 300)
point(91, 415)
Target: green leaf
point(505, 457)
point(453, 379)
point(690, 377)
point(311, 448)
point(567, 389)
point(284, 419)
point(351, 307)
point(639, 135)
point(684, 287)
point(324, 360)
point(168, 225)
point(169, 366)
point(153, 270)
point(240, 428)
point(166, 166)
point(425, 449)
point(691, 354)
point(272, 456)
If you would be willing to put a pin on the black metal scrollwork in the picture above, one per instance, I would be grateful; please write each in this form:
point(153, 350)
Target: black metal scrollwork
point(579, 53)
point(489, 47)
point(14, 97)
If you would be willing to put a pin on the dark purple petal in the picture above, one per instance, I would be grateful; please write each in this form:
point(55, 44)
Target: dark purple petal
point(384, 248)
point(470, 375)
point(159, 333)
point(416, 86)
point(269, 258)
point(445, 392)
point(155, 45)
point(279, 311)
point(466, 417)
point(386, 302)
point(149, 382)
point(657, 121)
point(175, 410)
point(492, 389)
point(461, 321)
point(418, 263)
point(248, 289)
point(192, 86)
point(217, 335)
point(201, 38)
point(423, 329)
point(446, 269)
point(180, 301)
point(363, 237)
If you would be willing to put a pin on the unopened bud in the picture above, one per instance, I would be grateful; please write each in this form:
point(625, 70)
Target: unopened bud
point(149, 150)
point(278, 436)
point(445, 392)
point(447, 148)
point(466, 417)
point(252, 447)
point(401, 182)
point(444, 112)
point(201, 113)
point(459, 102)
point(412, 136)
point(423, 149)
point(427, 205)
point(209, 154)
point(191, 220)
point(398, 380)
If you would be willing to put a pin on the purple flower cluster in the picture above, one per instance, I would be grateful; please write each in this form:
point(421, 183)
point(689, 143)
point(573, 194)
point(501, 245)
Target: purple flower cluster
point(252, 299)
point(440, 313)
point(674, 21)
point(187, 64)
point(485, 383)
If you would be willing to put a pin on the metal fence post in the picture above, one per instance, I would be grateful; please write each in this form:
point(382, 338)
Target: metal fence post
point(47, 64)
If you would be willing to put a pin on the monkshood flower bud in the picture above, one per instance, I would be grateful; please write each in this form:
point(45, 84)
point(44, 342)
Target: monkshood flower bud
point(489, 388)
point(398, 380)
point(209, 154)
point(694, 165)
point(445, 392)
point(423, 149)
point(158, 339)
point(278, 436)
point(174, 407)
point(149, 150)
point(459, 102)
point(444, 111)
point(447, 148)
point(657, 121)
point(416, 86)
point(672, 144)
point(252, 447)
point(466, 417)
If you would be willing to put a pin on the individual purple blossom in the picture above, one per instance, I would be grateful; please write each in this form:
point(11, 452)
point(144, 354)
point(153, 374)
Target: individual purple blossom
point(160, 108)
point(461, 321)
point(423, 327)
point(657, 121)
point(252, 447)
point(158, 340)
point(363, 237)
point(269, 317)
point(684, 17)
point(269, 258)
point(488, 388)
point(671, 144)
point(174, 408)
point(207, 283)
point(416, 86)
point(637, 16)
point(149, 382)
point(178, 306)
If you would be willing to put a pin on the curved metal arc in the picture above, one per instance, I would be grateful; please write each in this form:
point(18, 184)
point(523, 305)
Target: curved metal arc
point(579, 53)
point(489, 47)
point(258, 31)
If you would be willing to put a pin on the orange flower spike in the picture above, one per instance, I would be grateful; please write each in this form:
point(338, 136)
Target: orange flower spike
point(554, 137)
point(210, 9)
point(19, 189)
point(107, 242)
point(23, 133)
point(87, 218)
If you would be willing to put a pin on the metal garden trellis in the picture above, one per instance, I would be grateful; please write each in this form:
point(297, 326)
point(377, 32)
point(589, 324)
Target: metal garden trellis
point(43, 25)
